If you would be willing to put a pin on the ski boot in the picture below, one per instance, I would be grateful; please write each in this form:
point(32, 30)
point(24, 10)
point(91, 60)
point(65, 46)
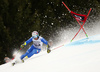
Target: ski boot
point(13, 64)
point(22, 61)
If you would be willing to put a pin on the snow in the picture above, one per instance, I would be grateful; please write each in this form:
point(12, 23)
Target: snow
point(79, 56)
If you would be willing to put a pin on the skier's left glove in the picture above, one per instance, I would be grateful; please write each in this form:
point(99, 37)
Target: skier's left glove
point(48, 49)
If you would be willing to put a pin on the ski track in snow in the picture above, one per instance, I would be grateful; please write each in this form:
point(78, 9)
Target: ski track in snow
point(79, 56)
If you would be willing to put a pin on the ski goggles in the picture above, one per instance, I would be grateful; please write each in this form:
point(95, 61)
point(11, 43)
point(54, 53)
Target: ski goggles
point(35, 36)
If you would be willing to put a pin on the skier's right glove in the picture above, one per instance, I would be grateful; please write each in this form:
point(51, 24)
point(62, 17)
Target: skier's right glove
point(23, 45)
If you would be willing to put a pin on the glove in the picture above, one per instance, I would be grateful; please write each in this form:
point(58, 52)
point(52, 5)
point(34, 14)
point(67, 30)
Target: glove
point(48, 49)
point(23, 45)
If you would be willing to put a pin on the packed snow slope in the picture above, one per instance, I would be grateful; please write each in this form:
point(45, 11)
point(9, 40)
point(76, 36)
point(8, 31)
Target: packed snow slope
point(78, 56)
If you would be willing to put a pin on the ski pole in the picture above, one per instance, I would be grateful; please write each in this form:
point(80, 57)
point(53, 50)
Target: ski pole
point(17, 53)
point(57, 47)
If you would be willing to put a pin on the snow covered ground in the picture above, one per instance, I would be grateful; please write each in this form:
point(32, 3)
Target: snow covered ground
point(79, 56)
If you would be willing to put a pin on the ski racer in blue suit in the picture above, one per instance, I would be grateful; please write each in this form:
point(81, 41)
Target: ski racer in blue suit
point(36, 47)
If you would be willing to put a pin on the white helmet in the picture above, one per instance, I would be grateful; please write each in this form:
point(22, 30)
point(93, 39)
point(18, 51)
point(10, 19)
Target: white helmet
point(35, 34)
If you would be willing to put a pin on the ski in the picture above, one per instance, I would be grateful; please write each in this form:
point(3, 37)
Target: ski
point(14, 63)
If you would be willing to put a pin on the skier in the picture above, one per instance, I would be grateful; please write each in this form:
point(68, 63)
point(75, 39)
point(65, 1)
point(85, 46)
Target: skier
point(36, 47)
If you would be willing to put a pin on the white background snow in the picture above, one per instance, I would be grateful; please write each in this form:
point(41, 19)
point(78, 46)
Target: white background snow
point(84, 57)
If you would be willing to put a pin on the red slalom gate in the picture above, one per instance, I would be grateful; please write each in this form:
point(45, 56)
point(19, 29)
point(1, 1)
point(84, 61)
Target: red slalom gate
point(79, 18)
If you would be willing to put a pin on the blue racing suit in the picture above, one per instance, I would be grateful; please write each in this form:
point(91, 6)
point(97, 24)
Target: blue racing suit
point(35, 48)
